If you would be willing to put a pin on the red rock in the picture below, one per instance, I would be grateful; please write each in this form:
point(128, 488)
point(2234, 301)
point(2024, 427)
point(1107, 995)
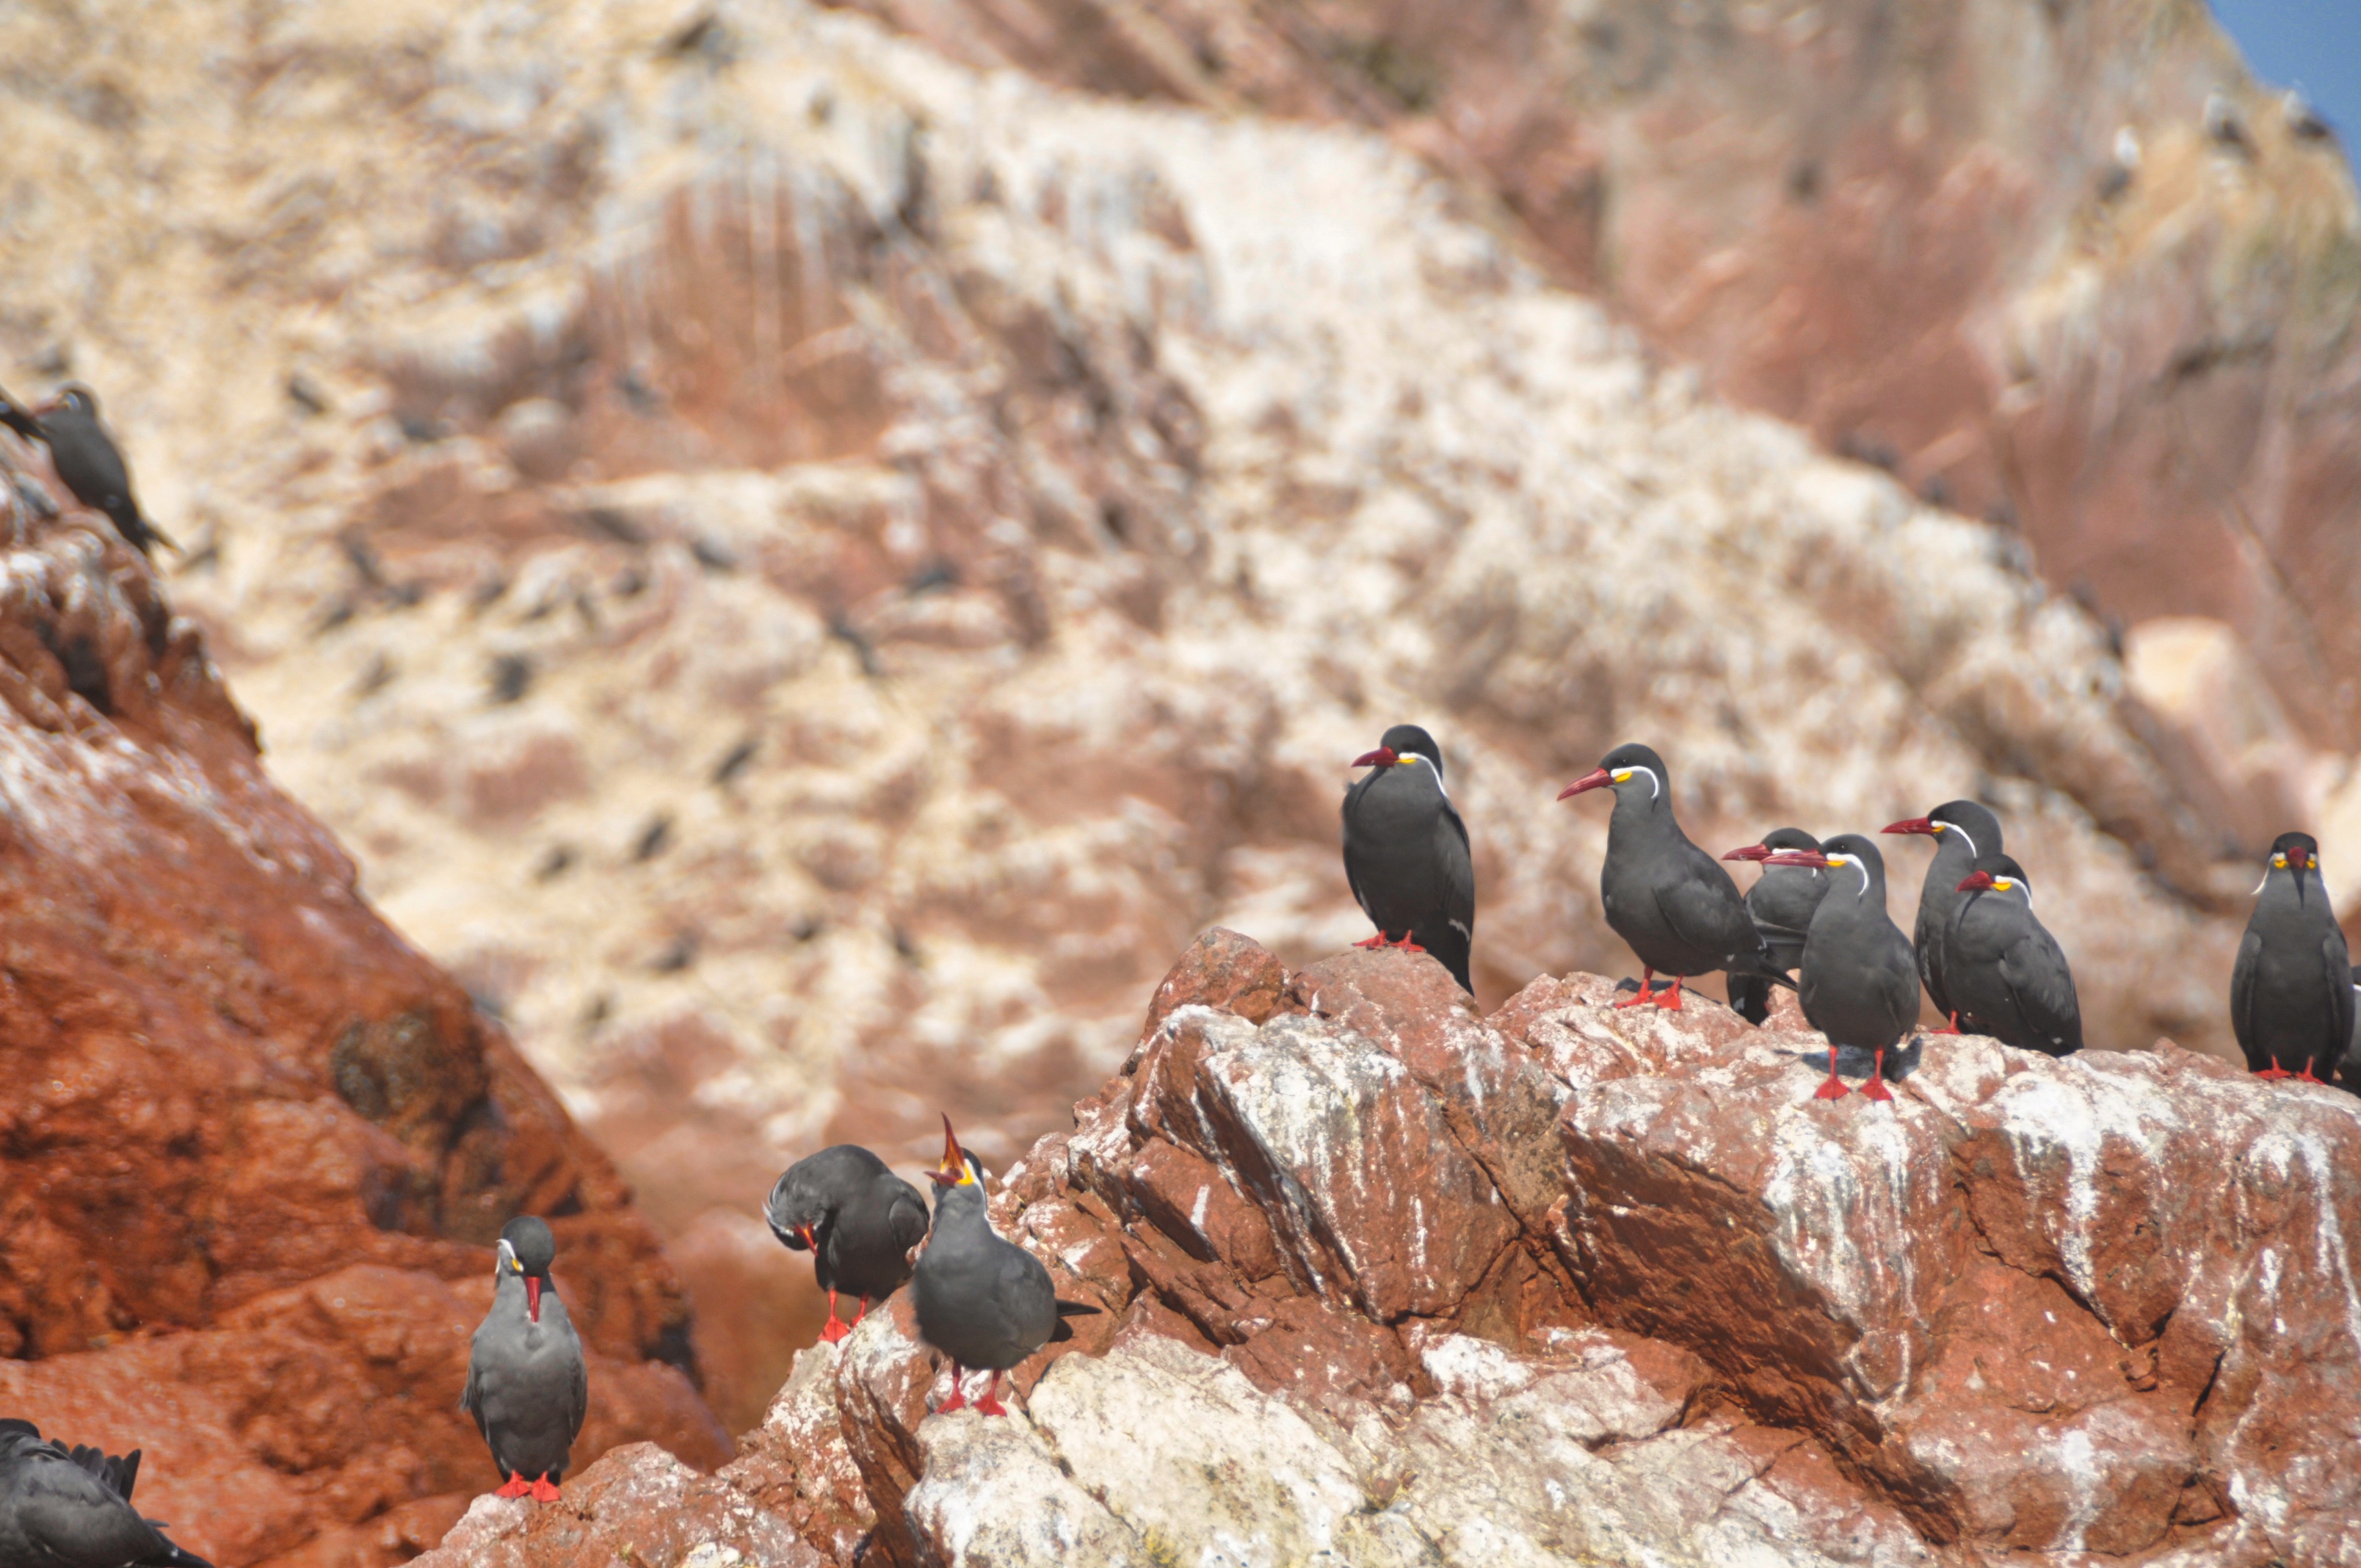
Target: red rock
point(1220, 970)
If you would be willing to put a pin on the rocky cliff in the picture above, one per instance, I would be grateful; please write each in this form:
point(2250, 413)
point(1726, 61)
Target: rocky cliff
point(803, 568)
point(1391, 1282)
point(254, 1147)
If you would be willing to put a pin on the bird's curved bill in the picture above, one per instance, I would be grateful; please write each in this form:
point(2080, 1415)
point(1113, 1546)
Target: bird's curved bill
point(806, 1231)
point(1752, 852)
point(953, 1171)
point(532, 1296)
point(1600, 779)
point(1799, 858)
point(1976, 882)
point(1383, 757)
point(1913, 825)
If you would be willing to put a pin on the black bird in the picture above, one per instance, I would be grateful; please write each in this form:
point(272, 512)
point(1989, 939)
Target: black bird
point(1860, 988)
point(982, 1301)
point(2291, 993)
point(2007, 973)
point(527, 1385)
point(1780, 903)
point(87, 461)
point(1670, 900)
point(63, 1508)
point(1406, 852)
point(857, 1219)
point(1963, 831)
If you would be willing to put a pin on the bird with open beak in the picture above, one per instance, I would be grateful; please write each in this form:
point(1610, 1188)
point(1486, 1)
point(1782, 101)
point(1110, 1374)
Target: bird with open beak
point(1668, 899)
point(528, 1386)
point(2291, 996)
point(1406, 856)
point(982, 1301)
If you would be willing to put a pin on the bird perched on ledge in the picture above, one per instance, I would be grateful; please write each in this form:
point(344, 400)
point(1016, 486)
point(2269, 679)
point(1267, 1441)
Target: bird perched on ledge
point(528, 1386)
point(87, 461)
point(1406, 852)
point(1780, 903)
point(1670, 900)
point(982, 1301)
point(64, 1508)
point(857, 1219)
point(1860, 987)
point(2291, 994)
point(2006, 971)
point(1962, 831)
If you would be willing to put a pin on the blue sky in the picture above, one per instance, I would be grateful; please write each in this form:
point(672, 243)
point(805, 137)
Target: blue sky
point(2312, 44)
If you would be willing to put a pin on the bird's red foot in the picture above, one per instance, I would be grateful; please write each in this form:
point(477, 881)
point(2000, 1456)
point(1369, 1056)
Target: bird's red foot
point(1876, 1088)
point(862, 1312)
point(2274, 1072)
point(835, 1330)
point(1831, 1087)
point(990, 1404)
point(545, 1491)
point(1406, 945)
point(1647, 980)
point(1950, 1028)
point(517, 1486)
point(1379, 940)
point(1669, 999)
point(2305, 1076)
point(958, 1401)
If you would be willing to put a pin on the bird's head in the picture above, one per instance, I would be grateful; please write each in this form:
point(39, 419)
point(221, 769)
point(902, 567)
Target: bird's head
point(527, 1249)
point(1845, 849)
point(1405, 745)
point(1964, 821)
point(77, 399)
point(960, 1168)
point(1629, 768)
point(1997, 873)
point(2294, 853)
point(1779, 840)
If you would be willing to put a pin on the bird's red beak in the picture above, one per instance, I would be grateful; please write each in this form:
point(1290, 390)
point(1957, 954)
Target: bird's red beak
point(1798, 857)
point(532, 1296)
point(1752, 852)
point(806, 1231)
point(2299, 858)
point(954, 1163)
point(1911, 824)
point(1977, 881)
point(1598, 780)
point(1383, 757)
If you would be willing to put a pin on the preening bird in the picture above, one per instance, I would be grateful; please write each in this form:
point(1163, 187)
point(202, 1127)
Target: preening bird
point(857, 1219)
point(2006, 971)
point(982, 1301)
point(1406, 852)
point(2291, 993)
point(1963, 831)
point(1858, 987)
point(528, 1386)
point(1670, 900)
point(62, 1508)
point(88, 461)
point(1780, 903)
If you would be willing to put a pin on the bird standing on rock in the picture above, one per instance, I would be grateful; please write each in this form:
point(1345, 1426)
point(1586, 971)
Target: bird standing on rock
point(1963, 831)
point(2291, 993)
point(1858, 987)
point(528, 1386)
point(1780, 903)
point(1406, 852)
point(64, 1508)
point(857, 1219)
point(1670, 900)
point(88, 462)
point(2006, 972)
point(982, 1301)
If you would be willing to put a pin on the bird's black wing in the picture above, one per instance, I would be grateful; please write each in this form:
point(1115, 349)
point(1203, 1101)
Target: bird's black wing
point(1458, 872)
point(2242, 992)
point(579, 1395)
point(471, 1398)
point(2341, 999)
point(74, 1516)
point(908, 1217)
point(1065, 1331)
point(2041, 988)
point(1702, 907)
point(1353, 798)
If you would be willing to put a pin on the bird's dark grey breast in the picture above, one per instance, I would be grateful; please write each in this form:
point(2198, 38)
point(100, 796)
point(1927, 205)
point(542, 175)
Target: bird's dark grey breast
point(1859, 986)
point(1668, 899)
point(528, 1379)
point(1393, 853)
point(982, 1301)
point(2286, 979)
point(1939, 903)
point(1782, 903)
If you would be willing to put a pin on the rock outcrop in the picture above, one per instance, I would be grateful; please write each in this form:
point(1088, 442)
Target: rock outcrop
point(253, 1146)
point(803, 569)
point(1397, 1283)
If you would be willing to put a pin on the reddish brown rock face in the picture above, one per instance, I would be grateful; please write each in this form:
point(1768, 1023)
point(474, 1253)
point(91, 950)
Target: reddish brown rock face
point(2040, 1308)
point(254, 1147)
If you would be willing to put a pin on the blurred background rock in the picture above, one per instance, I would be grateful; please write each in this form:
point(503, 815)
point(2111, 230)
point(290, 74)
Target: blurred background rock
point(807, 552)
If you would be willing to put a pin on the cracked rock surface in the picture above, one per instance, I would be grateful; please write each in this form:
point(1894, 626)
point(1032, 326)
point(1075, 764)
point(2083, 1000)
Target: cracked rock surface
point(1388, 1282)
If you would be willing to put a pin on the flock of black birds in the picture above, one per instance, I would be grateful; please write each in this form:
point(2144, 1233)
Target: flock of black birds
point(1814, 922)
